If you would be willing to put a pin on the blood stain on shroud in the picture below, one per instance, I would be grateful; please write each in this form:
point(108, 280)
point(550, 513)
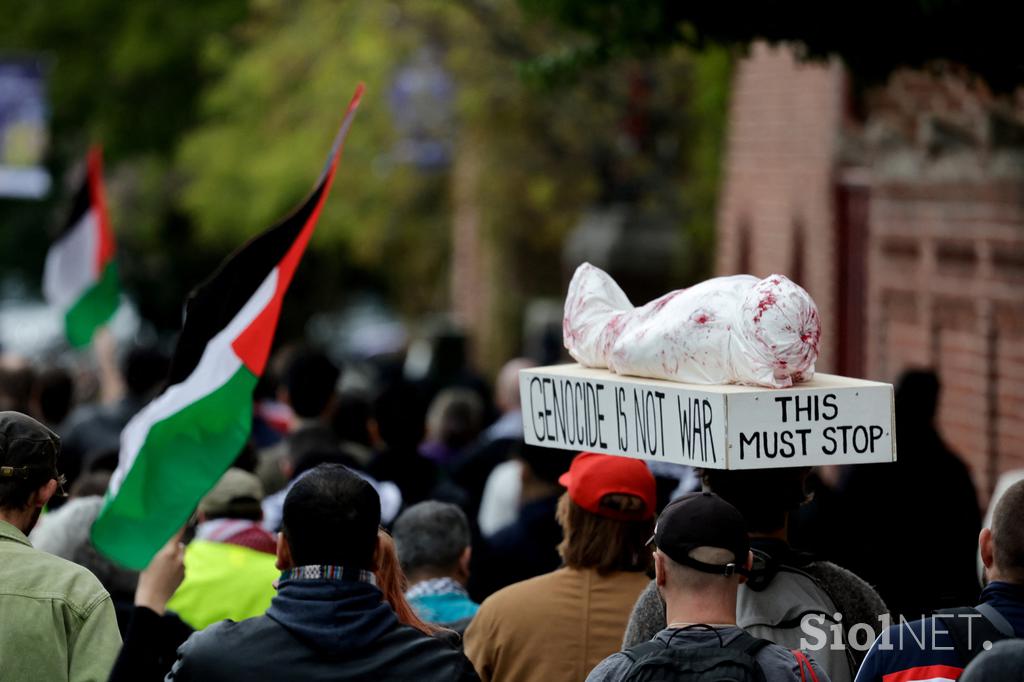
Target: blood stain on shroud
point(766, 302)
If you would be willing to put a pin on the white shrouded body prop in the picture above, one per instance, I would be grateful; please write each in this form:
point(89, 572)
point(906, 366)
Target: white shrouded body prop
point(729, 380)
point(726, 330)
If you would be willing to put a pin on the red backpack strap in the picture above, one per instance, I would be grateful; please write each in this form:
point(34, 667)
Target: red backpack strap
point(802, 660)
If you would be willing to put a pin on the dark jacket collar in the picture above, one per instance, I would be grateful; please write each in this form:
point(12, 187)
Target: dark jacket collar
point(332, 616)
point(1007, 599)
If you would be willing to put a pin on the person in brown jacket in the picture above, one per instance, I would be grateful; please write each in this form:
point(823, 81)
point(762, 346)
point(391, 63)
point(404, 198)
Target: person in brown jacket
point(558, 626)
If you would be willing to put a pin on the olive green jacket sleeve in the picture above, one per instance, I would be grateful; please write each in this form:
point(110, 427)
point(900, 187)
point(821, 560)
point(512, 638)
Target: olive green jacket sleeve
point(94, 648)
point(56, 621)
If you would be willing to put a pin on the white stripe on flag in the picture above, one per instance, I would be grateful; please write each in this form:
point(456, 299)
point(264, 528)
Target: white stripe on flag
point(71, 263)
point(217, 364)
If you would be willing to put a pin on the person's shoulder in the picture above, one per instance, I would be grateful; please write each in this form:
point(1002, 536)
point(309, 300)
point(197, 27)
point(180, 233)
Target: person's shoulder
point(58, 578)
point(847, 588)
point(226, 635)
point(908, 645)
point(779, 663)
point(529, 589)
point(207, 653)
point(649, 603)
point(610, 669)
point(444, 608)
point(424, 656)
point(514, 602)
point(445, 642)
point(830, 574)
point(636, 582)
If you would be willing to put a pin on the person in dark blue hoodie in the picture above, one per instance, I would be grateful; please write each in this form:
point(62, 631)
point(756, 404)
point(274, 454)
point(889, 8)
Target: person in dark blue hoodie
point(939, 647)
point(329, 621)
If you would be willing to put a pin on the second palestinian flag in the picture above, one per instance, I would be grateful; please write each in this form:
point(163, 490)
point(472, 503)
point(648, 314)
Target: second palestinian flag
point(178, 446)
point(80, 277)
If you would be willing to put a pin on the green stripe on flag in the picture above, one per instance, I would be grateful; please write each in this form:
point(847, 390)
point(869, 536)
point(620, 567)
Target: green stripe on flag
point(96, 306)
point(181, 459)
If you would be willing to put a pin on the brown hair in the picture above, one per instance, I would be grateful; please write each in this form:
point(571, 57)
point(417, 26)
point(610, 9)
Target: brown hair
point(392, 582)
point(608, 545)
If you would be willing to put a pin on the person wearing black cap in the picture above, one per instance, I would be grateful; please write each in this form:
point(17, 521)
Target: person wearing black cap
point(56, 620)
point(702, 555)
point(784, 581)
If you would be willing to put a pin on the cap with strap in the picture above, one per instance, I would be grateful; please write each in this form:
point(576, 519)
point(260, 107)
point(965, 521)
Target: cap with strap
point(702, 519)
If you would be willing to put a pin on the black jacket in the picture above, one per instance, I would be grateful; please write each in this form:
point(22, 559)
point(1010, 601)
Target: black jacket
point(149, 646)
point(320, 630)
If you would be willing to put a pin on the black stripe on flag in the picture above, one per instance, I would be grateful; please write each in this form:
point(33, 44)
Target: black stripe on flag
point(80, 205)
point(215, 302)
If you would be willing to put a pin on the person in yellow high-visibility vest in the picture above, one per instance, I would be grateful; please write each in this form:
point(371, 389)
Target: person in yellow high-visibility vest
point(229, 566)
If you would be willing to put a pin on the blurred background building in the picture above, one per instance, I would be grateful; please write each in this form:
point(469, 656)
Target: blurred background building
point(902, 213)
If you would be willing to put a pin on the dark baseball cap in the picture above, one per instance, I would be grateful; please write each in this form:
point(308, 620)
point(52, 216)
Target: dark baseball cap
point(702, 520)
point(28, 450)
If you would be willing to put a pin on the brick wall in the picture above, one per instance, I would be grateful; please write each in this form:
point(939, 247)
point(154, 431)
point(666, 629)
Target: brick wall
point(946, 257)
point(939, 203)
point(776, 198)
point(946, 269)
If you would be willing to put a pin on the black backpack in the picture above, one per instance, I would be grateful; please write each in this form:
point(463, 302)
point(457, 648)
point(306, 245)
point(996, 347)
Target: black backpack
point(970, 632)
point(656, 661)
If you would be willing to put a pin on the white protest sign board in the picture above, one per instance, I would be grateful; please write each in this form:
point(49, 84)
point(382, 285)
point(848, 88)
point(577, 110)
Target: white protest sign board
point(828, 420)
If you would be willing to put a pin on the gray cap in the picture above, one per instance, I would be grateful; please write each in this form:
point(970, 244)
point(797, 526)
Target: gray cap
point(236, 490)
point(27, 448)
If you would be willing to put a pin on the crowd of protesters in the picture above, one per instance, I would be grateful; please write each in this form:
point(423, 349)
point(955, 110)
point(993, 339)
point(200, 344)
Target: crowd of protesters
point(402, 530)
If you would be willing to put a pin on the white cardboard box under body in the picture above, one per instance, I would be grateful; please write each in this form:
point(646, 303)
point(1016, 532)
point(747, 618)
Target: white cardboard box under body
point(828, 420)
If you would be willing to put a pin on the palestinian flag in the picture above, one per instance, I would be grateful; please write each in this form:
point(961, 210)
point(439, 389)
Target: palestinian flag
point(80, 277)
point(178, 446)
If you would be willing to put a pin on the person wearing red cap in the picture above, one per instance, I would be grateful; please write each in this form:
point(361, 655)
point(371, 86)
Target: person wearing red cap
point(558, 626)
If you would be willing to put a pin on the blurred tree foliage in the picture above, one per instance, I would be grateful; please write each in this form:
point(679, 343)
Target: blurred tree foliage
point(539, 155)
point(125, 73)
point(874, 38)
point(268, 123)
point(128, 75)
point(217, 118)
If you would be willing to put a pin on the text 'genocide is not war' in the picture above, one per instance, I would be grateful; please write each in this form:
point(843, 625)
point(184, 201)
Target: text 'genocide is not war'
point(588, 414)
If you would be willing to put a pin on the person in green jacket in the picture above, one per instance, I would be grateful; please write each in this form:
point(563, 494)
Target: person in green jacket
point(56, 620)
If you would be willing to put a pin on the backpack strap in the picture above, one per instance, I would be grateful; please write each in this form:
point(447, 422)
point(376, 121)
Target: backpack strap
point(970, 627)
point(747, 643)
point(803, 661)
point(997, 619)
point(635, 653)
point(744, 642)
